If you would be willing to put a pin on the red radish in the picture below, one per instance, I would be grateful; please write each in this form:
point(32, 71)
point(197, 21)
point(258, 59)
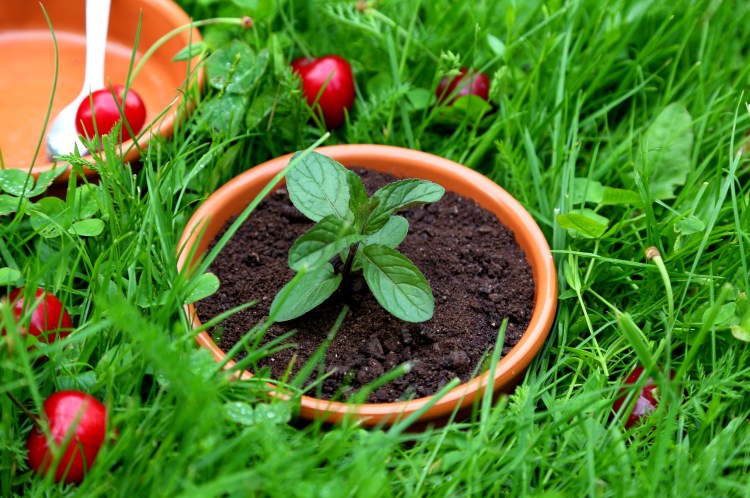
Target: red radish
point(467, 82)
point(107, 112)
point(75, 416)
point(48, 320)
point(643, 404)
point(329, 81)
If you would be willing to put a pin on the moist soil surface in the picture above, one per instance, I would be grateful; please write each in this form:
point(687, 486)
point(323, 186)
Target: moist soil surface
point(477, 273)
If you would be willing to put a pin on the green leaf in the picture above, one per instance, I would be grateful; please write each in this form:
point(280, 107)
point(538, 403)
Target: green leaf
point(87, 228)
point(305, 294)
point(689, 225)
point(236, 68)
point(585, 190)
point(397, 284)
point(189, 51)
point(16, 182)
point(584, 222)
point(257, 9)
point(615, 196)
point(357, 194)
point(9, 204)
point(322, 242)
point(400, 195)
point(48, 216)
point(202, 287)
point(472, 105)
point(420, 98)
point(9, 276)
point(260, 109)
point(391, 234)
point(240, 412)
point(45, 179)
point(318, 187)
point(224, 114)
point(666, 150)
point(724, 316)
point(496, 45)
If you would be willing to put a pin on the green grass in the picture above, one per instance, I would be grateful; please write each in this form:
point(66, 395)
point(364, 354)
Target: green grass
point(577, 88)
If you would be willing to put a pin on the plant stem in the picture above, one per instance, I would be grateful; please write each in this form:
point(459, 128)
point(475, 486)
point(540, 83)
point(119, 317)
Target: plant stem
point(652, 253)
point(32, 416)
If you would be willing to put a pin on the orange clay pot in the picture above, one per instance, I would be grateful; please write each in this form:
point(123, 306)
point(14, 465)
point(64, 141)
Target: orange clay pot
point(27, 59)
point(234, 196)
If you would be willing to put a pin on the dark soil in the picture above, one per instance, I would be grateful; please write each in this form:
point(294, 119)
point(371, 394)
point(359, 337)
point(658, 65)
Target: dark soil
point(477, 273)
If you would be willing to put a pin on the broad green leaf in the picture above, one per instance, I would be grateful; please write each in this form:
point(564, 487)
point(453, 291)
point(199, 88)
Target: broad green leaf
point(260, 108)
point(689, 225)
point(224, 114)
point(397, 284)
point(585, 190)
point(16, 182)
point(257, 9)
point(305, 294)
point(391, 234)
point(236, 68)
point(725, 315)
point(584, 222)
point(318, 187)
point(322, 242)
point(666, 150)
point(239, 412)
point(87, 228)
point(496, 45)
point(615, 196)
point(420, 98)
point(48, 216)
point(9, 204)
point(9, 276)
point(84, 204)
point(189, 51)
point(202, 287)
point(45, 179)
point(358, 198)
point(472, 105)
point(400, 195)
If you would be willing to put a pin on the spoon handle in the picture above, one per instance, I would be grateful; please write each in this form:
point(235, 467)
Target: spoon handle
point(97, 23)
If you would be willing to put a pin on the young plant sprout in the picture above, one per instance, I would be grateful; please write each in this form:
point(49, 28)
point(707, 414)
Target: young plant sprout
point(362, 231)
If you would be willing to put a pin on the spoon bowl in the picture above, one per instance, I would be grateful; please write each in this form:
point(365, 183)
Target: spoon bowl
point(27, 56)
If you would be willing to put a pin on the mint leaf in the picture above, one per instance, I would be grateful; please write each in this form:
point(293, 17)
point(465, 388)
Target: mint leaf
point(392, 234)
point(666, 150)
point(400, 195)
point(305, 294)
point(322, 242)
point(318, 187)
point(584, 222)
point(357, 193)
point(397, 284)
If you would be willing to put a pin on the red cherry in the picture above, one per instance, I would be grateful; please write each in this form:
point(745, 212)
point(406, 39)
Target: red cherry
point(467, 82)
point(68, 411)
point(328, 80)
point(49, 321)
point(107, 112)
point(644, 403)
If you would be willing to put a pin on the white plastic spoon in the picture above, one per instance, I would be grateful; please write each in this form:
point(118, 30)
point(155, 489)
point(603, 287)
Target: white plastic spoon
point(63, 137)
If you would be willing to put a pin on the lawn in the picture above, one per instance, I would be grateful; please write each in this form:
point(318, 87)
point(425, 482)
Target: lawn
point(619, 125)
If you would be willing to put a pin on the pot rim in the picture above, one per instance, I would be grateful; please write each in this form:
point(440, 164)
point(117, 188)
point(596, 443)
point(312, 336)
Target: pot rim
point(489, 195)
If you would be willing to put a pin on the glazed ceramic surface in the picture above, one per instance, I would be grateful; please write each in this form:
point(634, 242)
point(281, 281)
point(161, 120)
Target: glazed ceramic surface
point(233, 197)
point(27, 59)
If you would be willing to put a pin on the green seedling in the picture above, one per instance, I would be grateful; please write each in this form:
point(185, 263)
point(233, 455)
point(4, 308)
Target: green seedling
point(362, 231)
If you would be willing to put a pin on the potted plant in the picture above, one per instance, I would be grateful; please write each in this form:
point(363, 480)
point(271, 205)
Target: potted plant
point(233, 198)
